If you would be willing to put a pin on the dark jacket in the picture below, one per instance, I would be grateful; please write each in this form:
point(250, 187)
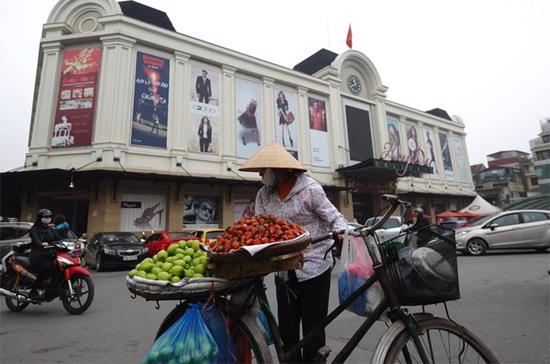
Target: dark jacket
point(208, 132)
point(39, 234)
point(203, 87)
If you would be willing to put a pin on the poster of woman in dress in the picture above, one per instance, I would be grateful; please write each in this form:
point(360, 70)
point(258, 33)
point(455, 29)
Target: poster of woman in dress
point(430, 157)
point(286, 132)
point(247, 116)
point(416, 153)
point(446, 155)
point(392, 148)
point(150, 116)
point(318, 132)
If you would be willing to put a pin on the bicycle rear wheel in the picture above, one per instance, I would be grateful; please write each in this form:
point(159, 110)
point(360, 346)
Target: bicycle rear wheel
point(444, 342)
point(251, 346)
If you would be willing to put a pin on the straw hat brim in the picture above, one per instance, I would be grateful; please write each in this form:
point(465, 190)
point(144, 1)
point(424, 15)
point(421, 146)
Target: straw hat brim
point(272, 156)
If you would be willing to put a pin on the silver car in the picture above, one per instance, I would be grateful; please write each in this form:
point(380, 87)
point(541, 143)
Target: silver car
point(519, 229)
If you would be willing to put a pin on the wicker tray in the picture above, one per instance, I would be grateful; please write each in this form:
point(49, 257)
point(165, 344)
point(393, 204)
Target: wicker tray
point(194, 288)
point(280, 248)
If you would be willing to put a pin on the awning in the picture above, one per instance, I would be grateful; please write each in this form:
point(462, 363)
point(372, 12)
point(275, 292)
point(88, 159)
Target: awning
point(383, 170)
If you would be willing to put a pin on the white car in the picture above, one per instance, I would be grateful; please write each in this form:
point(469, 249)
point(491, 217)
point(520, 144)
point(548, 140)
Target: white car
point(391, 229)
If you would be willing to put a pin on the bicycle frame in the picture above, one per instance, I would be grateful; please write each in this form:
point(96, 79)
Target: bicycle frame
point(389, 301)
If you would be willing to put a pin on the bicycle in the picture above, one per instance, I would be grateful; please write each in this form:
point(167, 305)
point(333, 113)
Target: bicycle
point(411, 338)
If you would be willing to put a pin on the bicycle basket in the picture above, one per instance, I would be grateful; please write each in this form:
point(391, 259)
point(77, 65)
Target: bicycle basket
point(425, 274)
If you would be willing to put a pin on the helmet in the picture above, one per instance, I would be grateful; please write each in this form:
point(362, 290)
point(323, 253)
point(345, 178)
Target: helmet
point(44, 213)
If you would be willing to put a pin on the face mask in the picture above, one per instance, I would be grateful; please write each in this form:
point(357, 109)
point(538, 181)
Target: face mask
point(45, 220)
point(268, 179)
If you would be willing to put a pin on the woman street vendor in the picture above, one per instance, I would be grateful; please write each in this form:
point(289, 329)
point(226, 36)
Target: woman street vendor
point(302, 294)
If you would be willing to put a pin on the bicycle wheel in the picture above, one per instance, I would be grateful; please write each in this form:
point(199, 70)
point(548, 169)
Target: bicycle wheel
point(443, 341)
point(252, 347)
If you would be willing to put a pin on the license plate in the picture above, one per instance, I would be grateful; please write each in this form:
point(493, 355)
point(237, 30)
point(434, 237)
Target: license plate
point(130, 257)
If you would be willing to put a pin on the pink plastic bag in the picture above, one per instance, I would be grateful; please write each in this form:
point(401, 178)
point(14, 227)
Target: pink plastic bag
point(359, 262)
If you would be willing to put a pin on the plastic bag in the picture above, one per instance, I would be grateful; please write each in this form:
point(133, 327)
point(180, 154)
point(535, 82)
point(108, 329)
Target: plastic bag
point(357, 268)
point(187, 341)
point(218, 327)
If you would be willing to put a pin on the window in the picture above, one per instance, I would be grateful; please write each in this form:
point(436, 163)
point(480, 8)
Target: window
point(507, 220)
point(533, 216)
point(8, 233)
point(213, 234)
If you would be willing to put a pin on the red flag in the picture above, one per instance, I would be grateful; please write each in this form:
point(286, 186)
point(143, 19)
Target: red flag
point(348, 39)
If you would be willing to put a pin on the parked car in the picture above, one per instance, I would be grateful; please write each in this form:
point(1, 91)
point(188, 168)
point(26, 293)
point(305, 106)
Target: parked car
point(114, 249)
point(207, 234)
point(452, 224)
point(391, 229)
point(162, 240)
point(518, 229)
point(15, 232)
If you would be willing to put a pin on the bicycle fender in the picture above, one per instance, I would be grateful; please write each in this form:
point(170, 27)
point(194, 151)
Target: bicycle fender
point(389, 336)
point(75, 269)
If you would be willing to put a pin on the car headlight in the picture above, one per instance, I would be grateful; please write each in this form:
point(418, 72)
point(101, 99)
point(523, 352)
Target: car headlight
point(462, 233)
point(145, 250)
point(109, 251)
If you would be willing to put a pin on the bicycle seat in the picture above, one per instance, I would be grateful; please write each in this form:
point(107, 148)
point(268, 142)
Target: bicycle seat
point(25, 261)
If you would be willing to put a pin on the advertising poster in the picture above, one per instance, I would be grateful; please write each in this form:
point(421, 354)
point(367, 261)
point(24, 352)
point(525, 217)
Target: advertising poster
point(391, 150)
point(150, 116)
point(460, 159)
point(243, 207)
point(74, 116)
point(446, 156)
point(247, 106)
point(318, 132)
point(431, 160)
point(200, 211)
point(416, 154)
point(286, 130)
point(140, 212)
point(203, 104)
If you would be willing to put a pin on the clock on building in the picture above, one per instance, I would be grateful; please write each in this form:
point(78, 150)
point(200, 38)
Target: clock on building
point(354, 85)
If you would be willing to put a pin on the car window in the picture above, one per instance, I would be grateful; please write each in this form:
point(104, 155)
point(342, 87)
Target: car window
point(507, 220)
point(180, 235)
point(154, 237)
point(213, 234)
point(392, 223)
point(22, 231)
point(71, 235)
point(198, 234)
point(477, 221)
point(533, 216)
point(8, 233)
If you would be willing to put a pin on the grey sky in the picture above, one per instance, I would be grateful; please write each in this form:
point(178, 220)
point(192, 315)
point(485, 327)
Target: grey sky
point(487, 61)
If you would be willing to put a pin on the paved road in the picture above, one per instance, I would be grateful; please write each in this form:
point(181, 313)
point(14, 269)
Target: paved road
point(505, 300)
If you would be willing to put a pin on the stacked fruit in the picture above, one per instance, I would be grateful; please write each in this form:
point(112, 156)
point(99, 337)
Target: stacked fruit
point(261, 229)
point(181, 260)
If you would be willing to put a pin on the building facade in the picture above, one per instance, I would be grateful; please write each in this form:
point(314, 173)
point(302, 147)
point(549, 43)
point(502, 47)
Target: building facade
point(540, 149)
point(137, 127)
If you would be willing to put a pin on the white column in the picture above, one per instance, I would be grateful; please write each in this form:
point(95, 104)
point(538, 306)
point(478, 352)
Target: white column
point(335, 124)
point(179, 101)
point(228, 121)
point(304, 153)
point(113, 119)
point(378, 121)
point(268, 127)
point(44, 114)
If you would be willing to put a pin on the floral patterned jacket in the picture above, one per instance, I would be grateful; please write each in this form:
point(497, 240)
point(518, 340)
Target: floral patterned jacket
point(307, 205)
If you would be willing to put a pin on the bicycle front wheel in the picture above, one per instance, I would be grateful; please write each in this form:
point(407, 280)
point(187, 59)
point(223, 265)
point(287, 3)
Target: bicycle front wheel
point(444, 342)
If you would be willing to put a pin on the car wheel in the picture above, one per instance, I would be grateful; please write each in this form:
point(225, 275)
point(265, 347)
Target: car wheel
point(476, 246)
point(98, 263)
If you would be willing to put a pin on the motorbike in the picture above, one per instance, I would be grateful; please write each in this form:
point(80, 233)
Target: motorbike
point(71, 282)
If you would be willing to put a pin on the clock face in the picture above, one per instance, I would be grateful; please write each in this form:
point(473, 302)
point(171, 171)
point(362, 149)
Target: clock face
point(354, 85)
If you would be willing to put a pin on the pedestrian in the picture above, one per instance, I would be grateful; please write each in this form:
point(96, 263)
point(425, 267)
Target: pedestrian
point(302, 294)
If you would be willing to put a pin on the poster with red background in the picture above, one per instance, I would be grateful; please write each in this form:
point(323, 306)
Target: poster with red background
point(74, 117)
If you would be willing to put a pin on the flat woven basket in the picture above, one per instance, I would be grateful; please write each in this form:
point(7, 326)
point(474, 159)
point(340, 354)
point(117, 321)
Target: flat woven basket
point(189, 289)
point(297, 244)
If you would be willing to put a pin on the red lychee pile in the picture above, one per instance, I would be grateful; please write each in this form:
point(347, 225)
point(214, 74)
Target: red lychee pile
point(255, 230)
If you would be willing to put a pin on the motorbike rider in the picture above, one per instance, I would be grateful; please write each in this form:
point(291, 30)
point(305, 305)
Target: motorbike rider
point(42, 260)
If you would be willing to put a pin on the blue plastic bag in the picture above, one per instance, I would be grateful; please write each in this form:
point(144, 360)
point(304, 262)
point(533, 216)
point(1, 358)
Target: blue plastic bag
point(215, 322)
point(265, 327)
point(187, 341)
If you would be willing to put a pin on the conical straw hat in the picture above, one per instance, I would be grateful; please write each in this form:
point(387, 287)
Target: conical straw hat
point(271, 156)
